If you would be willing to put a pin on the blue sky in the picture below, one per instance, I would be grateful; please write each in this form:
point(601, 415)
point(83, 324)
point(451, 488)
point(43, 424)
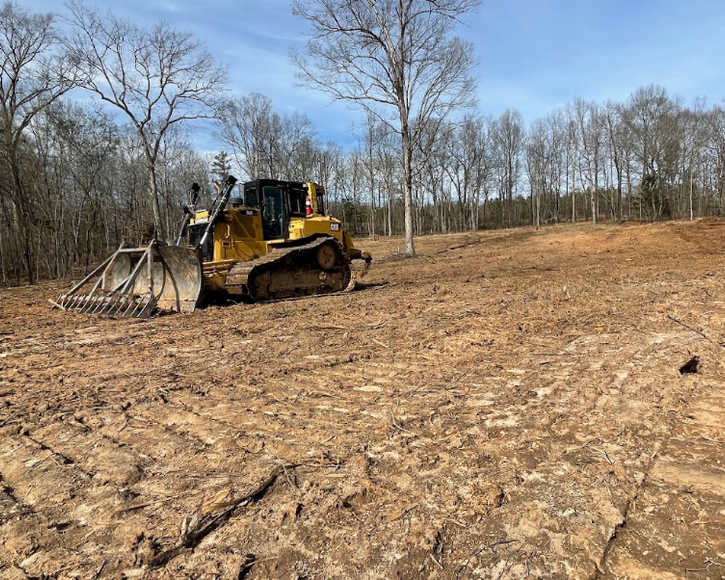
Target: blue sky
point(534, 55)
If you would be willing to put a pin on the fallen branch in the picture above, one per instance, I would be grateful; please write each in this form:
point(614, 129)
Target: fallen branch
point(699, 332)
point(99, 570)
point(195, 536)
point(143, 505)
point(710, 562)
point(432, 557)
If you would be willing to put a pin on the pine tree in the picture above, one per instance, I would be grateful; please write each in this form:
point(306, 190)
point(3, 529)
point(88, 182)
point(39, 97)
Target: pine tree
point(221, 166)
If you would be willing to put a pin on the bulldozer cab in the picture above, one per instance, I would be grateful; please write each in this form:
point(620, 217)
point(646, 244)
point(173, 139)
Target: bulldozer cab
point(279, 201)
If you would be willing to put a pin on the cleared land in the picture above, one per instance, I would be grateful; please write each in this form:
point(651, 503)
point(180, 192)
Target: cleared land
point(507, 405)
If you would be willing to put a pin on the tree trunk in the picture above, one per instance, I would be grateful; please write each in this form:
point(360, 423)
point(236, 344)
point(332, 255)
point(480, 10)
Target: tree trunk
point(407, 187)
point(159, 232)
point(22, 217)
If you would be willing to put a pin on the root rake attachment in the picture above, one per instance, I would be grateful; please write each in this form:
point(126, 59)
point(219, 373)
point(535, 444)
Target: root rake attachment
point(112, 303)
point(172, 281)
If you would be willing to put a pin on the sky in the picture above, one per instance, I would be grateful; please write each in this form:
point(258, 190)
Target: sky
point(533, 55)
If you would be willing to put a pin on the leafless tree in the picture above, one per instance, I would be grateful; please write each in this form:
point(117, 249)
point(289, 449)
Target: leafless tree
point(159, 77)
point(653, 121)
point(34, 73)
point(538, 160)
point(396, 59)
point(616, 135)
point(508, 141)
point(590, 123)
point(251, 129)
point(297, 147)
point(693, 142)
point(468, 168)
point(266, 144)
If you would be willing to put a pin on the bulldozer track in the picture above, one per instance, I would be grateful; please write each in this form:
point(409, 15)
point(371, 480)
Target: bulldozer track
point(293, 267)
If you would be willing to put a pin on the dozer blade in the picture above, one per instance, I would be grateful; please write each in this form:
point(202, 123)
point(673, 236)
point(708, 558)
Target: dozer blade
point(137, 282)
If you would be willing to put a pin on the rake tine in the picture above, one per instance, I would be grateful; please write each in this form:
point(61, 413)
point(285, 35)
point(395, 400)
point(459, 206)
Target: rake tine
point(108, 303)
point(122, 304)
point(148, 308)
point(105, 302)
point(144, 307)
point(131, 314)
point(143, 303)
point(87, 304)
point(119, 304)
point(140, 306)
point(131, 302)
point(82, 303)
point(115, 302)
point(115, 305)
point(91, 302)
point(101, 305)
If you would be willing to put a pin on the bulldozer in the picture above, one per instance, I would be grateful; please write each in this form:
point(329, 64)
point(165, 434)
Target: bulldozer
point(271, 240)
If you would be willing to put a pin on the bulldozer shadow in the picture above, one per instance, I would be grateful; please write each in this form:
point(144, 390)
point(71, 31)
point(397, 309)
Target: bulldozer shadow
point(228, 300)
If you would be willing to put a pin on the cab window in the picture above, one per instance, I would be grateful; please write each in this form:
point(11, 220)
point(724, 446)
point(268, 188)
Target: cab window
point(250, 198)
point(273, 214)
point(297, 205)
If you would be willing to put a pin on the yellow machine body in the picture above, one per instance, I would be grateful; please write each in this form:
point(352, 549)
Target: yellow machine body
point(274, 241)
point(241, 240)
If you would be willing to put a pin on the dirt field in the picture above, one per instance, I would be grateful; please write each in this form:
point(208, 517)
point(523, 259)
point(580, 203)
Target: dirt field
point(506, 405)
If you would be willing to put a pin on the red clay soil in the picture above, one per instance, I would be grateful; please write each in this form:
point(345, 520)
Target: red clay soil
point(506, 405)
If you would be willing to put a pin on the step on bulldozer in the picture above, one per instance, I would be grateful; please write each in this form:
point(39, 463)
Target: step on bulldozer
point(274, 240)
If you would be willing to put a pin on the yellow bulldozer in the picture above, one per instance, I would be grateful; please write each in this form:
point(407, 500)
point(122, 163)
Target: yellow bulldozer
point(272, 240)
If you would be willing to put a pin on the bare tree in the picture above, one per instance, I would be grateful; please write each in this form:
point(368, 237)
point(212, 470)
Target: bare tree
point(33, 74)
point(538, 160)
point(467, 168)
point(590, 130)
point(251, 129)
point(159, 77)
point(693, 140)
point(652, 118)
point(616, 137)
point(508, 142)
point(396, 59)
point(297, 147)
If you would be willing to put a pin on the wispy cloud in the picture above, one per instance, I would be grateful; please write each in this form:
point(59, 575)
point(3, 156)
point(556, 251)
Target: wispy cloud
point(534, 56)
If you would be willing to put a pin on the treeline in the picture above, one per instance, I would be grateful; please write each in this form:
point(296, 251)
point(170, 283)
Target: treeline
point(82, 171)
point(648, 158)
point(84, 189)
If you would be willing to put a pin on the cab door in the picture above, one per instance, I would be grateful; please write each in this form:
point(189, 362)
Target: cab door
point(275, 220)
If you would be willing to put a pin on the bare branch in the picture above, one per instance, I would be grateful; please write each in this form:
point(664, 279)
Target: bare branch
point(390, 54)
point(158, 77)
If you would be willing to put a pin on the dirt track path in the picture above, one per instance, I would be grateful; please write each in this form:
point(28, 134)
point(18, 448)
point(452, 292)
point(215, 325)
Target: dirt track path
point(507, 405)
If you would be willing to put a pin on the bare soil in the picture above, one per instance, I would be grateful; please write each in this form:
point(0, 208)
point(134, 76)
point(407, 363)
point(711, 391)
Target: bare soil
point(506, 405)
